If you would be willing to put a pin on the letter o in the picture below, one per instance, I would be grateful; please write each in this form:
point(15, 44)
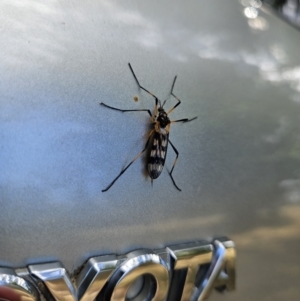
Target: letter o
point(15, 288)
point(140, 266)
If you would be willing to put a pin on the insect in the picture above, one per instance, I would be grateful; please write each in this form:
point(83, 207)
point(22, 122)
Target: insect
point(158, 136)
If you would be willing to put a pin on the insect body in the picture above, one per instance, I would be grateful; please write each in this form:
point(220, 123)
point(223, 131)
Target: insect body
point(157, 155)
point(159, 135)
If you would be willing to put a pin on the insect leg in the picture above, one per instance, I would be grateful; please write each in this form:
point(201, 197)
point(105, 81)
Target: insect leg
point(170, 173)
point(184, 120)
point(143, 110)
point(179, 101)
point(156, 99)
point(124, 169)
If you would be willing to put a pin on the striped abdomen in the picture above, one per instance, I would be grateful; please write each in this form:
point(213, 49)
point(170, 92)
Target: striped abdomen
point(157, 155)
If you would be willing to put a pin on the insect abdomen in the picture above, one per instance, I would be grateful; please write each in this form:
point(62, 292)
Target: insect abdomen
point(157, 155)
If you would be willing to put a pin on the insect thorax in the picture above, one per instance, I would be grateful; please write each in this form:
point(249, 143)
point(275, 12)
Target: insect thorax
point(162, 124)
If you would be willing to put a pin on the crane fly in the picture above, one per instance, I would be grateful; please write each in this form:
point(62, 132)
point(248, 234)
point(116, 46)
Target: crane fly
point(159, 135)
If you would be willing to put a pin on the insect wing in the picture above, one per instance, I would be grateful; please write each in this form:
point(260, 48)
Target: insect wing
point(157, 155)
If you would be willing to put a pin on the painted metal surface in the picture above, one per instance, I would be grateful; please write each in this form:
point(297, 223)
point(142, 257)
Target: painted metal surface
point(238, 168)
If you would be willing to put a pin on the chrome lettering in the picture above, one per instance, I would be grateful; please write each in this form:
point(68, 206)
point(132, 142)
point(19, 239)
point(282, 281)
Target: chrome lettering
point(189, 271)
point(224, 256)
point(15, 288)
point(190, 258)
point(139, 266)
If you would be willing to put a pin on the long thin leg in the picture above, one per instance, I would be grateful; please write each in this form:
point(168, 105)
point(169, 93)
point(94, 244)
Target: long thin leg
point(156, 99)
point(143, 110)
point(170, 173)
point(139, 83)
point(179, 101)
point(171, 91)
point(184, 120)
point(124, 169)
